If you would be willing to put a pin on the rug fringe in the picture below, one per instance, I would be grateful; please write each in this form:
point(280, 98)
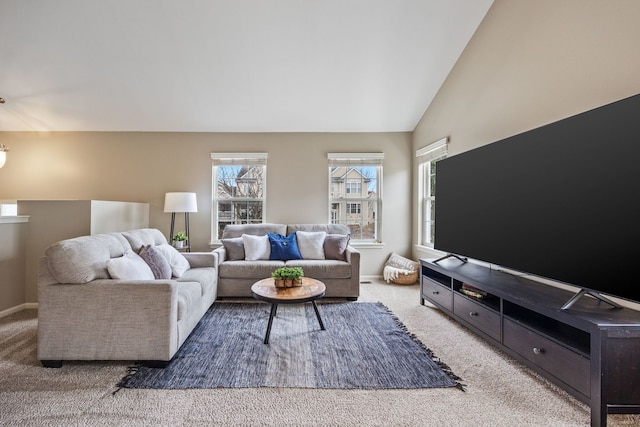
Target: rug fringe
point(131, 371)
point(459, 385)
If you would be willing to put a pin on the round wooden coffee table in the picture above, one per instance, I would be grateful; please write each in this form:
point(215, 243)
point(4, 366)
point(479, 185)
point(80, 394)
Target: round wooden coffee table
point(310, 291)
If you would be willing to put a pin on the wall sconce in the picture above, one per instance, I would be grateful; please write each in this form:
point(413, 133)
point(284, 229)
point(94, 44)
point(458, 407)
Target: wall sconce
point(180, 202)
point(3, 154)
point(3, 148)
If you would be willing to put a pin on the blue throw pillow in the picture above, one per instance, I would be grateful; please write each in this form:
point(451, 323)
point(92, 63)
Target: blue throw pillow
point(284, 248)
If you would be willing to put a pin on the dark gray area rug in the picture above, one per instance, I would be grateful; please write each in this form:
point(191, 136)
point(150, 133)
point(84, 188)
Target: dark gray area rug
point(364, 346)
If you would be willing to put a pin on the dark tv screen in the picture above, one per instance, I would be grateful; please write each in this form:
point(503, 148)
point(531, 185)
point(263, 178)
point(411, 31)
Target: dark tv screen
point(561, 201)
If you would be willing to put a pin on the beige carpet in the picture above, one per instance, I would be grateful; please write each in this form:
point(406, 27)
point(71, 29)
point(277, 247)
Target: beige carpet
point(499, 391)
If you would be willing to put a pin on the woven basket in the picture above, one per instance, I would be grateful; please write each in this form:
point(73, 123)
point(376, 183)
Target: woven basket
point(402, 271)
point(406, 279)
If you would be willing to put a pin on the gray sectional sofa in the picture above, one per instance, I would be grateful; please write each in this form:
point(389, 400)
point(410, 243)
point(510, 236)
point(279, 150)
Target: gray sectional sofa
point(338, 268)
point(84, 313)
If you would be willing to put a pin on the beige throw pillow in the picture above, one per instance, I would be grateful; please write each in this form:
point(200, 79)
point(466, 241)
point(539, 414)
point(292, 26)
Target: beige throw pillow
point(256, 247)
point(311, 244)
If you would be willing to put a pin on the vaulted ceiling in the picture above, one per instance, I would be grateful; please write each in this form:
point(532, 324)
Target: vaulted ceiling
point(227, 65)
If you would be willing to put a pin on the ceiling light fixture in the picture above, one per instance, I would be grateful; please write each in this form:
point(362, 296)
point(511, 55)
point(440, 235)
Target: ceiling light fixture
point(3, 148)
point(3, 154)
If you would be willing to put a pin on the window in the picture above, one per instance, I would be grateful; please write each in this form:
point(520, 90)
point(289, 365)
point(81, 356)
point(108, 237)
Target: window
point(353, 187)
point(355, 199)
point(427, 160)
point(239, 183)
point(353, 208)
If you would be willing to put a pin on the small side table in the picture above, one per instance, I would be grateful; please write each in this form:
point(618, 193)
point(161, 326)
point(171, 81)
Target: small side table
point(310, 291)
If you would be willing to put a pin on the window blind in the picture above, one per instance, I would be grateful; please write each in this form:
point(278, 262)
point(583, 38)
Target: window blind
point(355, 159)
point(238, 159)
point(433, 151)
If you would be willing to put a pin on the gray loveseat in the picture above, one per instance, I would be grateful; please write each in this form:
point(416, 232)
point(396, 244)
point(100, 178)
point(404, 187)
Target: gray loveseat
point(85, 314)
point(340, 272)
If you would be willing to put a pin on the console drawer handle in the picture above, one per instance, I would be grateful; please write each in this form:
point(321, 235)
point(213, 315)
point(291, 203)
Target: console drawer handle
point(436, 292)
point(473, 313)
point(537, 350)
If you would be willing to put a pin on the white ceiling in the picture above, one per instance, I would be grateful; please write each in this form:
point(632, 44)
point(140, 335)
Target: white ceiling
point(227, 66)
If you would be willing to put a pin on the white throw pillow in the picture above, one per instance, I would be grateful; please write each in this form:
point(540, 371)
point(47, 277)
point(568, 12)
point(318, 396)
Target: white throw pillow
point(129, 266)
point(178, 262)
point(311, 244)
point(256, 247)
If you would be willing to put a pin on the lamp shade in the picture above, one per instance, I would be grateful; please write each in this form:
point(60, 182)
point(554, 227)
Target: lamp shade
point(180, 202)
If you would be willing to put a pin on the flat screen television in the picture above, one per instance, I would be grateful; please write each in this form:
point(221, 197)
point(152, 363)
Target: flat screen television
point(561, 201)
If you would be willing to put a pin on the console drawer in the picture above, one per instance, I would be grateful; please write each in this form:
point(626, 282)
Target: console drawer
point(435, 292)
point(561, 362)
point(476, 314)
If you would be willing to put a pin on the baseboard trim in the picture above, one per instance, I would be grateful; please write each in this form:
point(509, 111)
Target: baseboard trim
point(17, 308)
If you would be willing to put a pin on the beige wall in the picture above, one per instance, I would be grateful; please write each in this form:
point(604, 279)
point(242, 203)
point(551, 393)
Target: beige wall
point(531, 63)
point(141, 167)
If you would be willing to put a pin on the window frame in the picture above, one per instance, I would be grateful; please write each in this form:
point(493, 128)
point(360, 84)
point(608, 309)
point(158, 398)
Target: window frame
point(235, 159)
point(427, 158)
point(342, 199)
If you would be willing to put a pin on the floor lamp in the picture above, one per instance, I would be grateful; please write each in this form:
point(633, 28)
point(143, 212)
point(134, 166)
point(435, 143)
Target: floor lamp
point(180, 202)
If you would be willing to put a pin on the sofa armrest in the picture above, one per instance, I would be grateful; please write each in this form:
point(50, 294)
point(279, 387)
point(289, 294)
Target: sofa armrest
point(352, 255)
point(353, 258)
point(201, 259)
point(108, 319)
point(221, 254)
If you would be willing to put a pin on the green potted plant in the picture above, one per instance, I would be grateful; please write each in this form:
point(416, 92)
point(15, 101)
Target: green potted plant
point(287, 277)
point(180, 238)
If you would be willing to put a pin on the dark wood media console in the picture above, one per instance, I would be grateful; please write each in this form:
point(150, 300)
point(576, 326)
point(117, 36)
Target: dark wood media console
point(591, 350)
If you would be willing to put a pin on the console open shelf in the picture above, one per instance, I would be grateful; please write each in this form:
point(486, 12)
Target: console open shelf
point(591, 350)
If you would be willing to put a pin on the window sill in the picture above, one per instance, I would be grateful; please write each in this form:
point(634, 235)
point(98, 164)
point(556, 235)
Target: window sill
point(426, 251)
point(366, 245)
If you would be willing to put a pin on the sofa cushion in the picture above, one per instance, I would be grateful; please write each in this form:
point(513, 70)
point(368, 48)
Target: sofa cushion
point(129, 266)
point(178, 262)
point(237, 230)
point(249, 270)
point(327, 269)
point(311, 244)
point(205, 276)
point(335, 246)
point(83, 259)
point(234, 247)
point(189, 294)
point(283, 248)
point(144, 236)
point(156, 260)
point(256, 247)
point(327, 228)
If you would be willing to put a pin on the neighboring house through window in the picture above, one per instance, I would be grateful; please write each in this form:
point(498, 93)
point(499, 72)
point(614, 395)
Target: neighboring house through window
point(239, 189)
point(355, 193)
point(427, 160)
